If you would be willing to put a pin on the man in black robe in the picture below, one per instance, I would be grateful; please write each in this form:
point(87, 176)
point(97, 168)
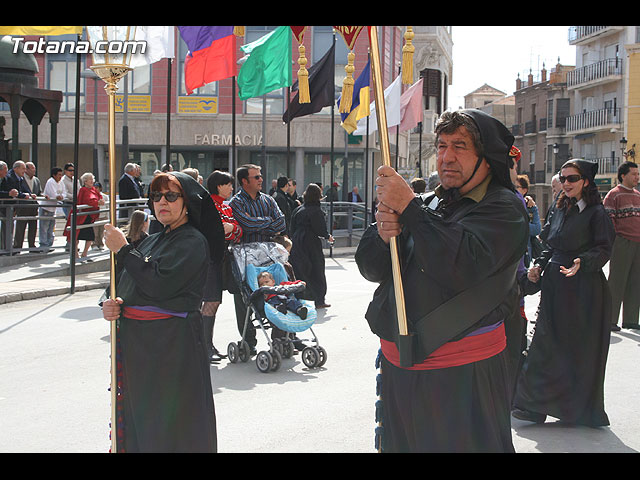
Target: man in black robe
point(466, 239)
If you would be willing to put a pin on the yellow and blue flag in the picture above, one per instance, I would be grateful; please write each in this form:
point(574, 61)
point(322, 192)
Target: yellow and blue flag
point(360, 104)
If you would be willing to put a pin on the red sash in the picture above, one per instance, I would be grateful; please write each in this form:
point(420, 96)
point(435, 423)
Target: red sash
point(137, 314)
point(469, 349)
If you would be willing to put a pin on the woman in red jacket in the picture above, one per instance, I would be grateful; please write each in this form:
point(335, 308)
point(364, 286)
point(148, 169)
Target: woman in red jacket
point(87, 195)
point(220, 186)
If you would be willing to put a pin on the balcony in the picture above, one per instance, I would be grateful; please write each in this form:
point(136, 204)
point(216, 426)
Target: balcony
point(596, 73)
point(606, 164)
point(594, 120)
point(580, 33)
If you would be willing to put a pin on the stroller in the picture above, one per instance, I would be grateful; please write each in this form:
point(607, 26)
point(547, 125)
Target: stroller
point(248, 260)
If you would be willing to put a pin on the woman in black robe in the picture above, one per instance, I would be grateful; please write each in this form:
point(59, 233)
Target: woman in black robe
point(165, 393)
point(308, 226)
point(563, 374)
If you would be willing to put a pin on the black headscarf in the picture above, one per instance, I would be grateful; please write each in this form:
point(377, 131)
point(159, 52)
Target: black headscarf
point(201, 213)
point(496, 141)
point(587, 168)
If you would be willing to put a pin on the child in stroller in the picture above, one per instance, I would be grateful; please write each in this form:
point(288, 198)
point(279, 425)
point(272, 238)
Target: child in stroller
point(284, 299)
point(250, 261)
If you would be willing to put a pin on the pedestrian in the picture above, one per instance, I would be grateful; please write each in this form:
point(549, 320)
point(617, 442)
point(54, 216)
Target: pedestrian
point(36, 188)
point(104, 215)
point(535, 227)
point(354, 195)
point(54, 191)
point(220, 187)
point(89, 196)
point(308, 227)
point(27, 206)
point(137, 228)
point(166, 395)
point(453, 392)
point(129, 188)
point(280, 196)
point(260, 219)
point(622, 203)
point(67, 180)
point(418, 185)
point(563, 373)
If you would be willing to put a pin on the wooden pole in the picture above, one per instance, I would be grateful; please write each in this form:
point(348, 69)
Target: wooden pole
point(404, 339)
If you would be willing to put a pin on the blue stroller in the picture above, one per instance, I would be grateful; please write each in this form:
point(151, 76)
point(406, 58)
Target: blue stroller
point(249, 261)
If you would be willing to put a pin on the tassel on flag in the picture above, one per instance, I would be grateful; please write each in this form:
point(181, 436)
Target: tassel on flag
point(350, 35)
point(407, 57)
point(303, 73)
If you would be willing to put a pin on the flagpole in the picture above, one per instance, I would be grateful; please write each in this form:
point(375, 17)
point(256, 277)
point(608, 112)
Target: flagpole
point(404, 339)
point(331, 163)
point(288, 131)
point(233, 129)
point(168, 139)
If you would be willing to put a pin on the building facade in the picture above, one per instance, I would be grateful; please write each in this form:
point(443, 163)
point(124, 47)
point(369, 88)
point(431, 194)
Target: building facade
point(198, 127)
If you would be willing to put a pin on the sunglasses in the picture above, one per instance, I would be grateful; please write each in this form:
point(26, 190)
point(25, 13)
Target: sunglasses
point(571, 178)
point(171, 196)
point(257, 177)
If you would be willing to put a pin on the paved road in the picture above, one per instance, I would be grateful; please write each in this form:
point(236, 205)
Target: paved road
point(54, 359)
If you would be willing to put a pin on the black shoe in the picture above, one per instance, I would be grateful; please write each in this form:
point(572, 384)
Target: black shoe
point(528, 416)
point(302, 312)
point(615, 328)
point(216, 356)
point(282, 308)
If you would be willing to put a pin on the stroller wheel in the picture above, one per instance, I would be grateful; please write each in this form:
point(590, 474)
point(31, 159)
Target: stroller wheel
point(244, 351)
point(277, 360)
point(310, 357)
point(264, 362)
point(287, 349)
point(233, 352)
point(323, 356)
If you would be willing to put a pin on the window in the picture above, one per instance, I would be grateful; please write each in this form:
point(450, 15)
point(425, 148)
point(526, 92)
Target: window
point(61, 75)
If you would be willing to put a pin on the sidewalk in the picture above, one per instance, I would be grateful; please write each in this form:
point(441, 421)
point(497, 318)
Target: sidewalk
point(47, 276)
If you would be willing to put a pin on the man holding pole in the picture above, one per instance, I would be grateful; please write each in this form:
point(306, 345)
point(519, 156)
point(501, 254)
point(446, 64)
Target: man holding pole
point(445, 384)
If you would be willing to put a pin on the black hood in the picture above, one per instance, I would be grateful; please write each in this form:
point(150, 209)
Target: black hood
point(202, 213)
point(497, 141)
point(587, 168)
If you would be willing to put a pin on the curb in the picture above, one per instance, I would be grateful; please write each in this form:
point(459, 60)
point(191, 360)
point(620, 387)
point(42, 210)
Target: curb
point(34, 294)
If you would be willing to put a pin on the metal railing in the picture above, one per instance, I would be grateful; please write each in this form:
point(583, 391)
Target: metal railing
point(10, 213)
point(350, 220)
point(595, 119)
point(595, 71)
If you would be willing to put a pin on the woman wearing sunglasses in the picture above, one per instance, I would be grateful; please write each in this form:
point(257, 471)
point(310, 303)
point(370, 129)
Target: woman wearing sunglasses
point(563, 374)
point(165, 386)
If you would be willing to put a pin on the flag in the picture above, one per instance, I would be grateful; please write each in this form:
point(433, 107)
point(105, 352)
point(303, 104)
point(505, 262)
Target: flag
point(321, 88)
point(411, 109)
point(268, 66)
point(360, 101)
point(392, 104)
point(211, 57)
point(160, 44)
point(55, 30)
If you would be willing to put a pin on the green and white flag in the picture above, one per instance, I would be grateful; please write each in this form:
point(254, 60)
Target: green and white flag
point(268, 65)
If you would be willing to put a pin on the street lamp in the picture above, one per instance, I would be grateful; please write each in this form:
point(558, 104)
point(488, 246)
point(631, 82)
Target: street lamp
point(111, 63)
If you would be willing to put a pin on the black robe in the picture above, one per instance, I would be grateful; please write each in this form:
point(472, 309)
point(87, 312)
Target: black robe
point(308, 225)
point(463, 408)
point(167, 396)
point(563, 374)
